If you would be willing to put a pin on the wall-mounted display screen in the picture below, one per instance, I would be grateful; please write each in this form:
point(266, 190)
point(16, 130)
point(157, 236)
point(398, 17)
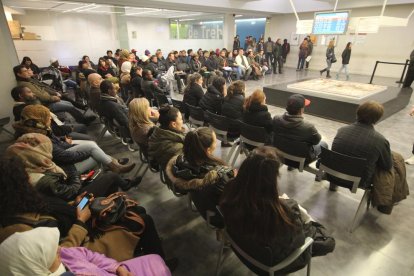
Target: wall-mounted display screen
point(330, 22)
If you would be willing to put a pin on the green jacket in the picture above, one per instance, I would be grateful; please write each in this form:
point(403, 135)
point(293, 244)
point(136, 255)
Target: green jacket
point(164, 144)
point(42, 92)
point(277, 50)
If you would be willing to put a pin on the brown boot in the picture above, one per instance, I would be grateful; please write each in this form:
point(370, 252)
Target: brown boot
point(118, 168)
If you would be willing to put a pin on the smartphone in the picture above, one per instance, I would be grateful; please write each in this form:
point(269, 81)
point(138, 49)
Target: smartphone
point(96, 173)
point(84, 201)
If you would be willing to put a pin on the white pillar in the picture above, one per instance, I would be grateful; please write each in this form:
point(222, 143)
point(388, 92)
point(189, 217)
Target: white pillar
point(229, 31)
point(122, 29)
point(9, 59)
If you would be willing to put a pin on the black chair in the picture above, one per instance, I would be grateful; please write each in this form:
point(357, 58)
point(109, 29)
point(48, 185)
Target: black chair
point(196, 117)
point(220, 125)
point(3, 122)
point(345, 171)
point(250, 138)
point(162, 100)
point(108, 126)
point(295, 154)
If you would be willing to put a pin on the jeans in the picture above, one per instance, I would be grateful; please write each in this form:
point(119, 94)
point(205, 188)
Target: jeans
point(246, 72)
point(98, 156)
point(278, 62)
point(65, 106)
point(317, 149)
point(344, 67)
point(301, 62)
point(269, 57)
point(69, 84)
point(238, 72)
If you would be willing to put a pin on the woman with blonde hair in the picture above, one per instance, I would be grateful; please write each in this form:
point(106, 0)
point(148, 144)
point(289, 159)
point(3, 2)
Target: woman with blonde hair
point(330, 58)
point(255, 111)
point(303, 54)
point(140, 118)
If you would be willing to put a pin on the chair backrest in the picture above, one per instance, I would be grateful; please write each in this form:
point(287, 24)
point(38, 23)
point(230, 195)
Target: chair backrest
point(294, 153)
point(266, 254)
point(178, 104)
point(343, 170)
point(252, 135)
point(196, 115)
point(218, 124)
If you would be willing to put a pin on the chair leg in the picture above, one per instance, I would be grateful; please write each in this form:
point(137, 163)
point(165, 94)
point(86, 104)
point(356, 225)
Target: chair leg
point(101, 135)
point(236, 155)
point(308, 269)
point(230, 154)
point(359, 210)
point(6, 130)
point(190, 203)
point(219, 261)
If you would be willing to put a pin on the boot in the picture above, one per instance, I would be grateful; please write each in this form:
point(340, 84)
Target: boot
point(321, 72)
point(328, 76)
point(118, 168)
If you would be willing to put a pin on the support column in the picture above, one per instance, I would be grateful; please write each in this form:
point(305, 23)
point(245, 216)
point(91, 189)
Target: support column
point(9, 59)
point(122, 28)
point(229, 31)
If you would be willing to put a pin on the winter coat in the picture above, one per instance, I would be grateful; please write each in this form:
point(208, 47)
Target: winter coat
point(211, 64)
point(233, 106)
point(136, 86)
point(285, 49)
point(330, 53)
point(193, 95)
point(277, 51)
point(258, 115)
point(205, 183)
point(346, 56)
point(212, 100)
point(195, 66)
point(150, 89)
point(163, 144)
point(112, 110)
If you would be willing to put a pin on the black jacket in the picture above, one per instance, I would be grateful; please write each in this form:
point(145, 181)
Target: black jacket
point(111, 109)
point(153, 67)
point(258, 115)
point(212, 100)
point(293, 127)
point(233, 106)
point(150, 89)
point(168, 63)
point(193, 95)
point(361, 140)
point(211, 64)
point(136, 86)
point(346, 56)
point(195, 66)
point(63, 157)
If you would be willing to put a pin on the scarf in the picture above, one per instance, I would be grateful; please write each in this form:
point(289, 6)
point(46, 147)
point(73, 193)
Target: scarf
point(35, 150)
point(29, 253)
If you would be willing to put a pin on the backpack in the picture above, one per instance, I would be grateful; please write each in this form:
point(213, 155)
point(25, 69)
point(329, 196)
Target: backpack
point(116, 211)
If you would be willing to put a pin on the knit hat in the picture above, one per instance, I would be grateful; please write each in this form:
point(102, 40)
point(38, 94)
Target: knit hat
point(53, 60)
point(296, 102)
point(144, 58)
point(147, 52)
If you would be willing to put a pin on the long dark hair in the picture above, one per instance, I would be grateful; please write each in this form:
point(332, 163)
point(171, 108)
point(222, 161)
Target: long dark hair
point(347, 46)
point(196, 143)
point(192, 79)
point(17, 196)
point(236, 88)
point(218, 83)
point(250, 202)
point(26, 59)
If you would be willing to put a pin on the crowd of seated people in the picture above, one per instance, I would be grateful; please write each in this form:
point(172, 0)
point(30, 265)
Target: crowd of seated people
point(49, 157)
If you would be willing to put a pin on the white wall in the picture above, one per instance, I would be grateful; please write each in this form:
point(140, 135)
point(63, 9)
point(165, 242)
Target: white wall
point(153, 33)
point(69, 36)
point(66, 36)
point(393, 44)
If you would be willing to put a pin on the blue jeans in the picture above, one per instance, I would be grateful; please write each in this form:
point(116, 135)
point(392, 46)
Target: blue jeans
point(65, 106)
point(98, 156)
point(317, 149)
point(301, 62)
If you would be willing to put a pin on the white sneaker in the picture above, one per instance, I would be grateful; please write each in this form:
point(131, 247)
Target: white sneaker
point(410, 161)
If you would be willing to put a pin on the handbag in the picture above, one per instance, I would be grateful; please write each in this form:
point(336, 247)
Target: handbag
point(116, 211)
point(322, 242)
point(333, 59)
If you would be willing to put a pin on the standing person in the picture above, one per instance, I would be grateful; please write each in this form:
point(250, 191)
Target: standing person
point(285, 49)
point(277, 57)
point(409, 78)
point(346, 56)
point(260, 45)
point(330, 58)
point(310, 50)
point(268, 48)
point(236, 43)
point(303, 54)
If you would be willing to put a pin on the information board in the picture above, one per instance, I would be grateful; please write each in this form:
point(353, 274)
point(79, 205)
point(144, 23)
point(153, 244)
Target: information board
point(330, 22)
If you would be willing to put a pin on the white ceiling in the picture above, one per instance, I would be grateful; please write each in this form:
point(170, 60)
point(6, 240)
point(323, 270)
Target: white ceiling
point(186, 8)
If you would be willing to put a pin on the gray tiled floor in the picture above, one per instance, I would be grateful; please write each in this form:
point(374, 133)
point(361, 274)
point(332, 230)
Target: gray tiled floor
point(382, 245)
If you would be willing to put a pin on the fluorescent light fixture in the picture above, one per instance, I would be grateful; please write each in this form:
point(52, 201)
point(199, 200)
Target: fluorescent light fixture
point(251, 19)
point(238, 15)
point(213, 22)
point(143, 12)
point(185, 15)
point(79, 8)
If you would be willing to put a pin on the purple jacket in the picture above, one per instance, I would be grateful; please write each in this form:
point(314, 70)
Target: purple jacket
point(82, 261)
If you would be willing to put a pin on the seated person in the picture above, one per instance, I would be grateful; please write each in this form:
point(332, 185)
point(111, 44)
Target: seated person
point(94, 96)
point(23, 97)
point(260, 58)
point(85, 155)
point(141, 119)
point(256, 215)
point(166, 140)
point(23, 207)
point(136, 82)
point(213, 98)
point(57, 77)
point(242, 62)
point(232, 63)
point(197, 170)
point(193, 92)
point(49, 97)
point(109, 107)
point(179, 74)
point(43, 256)
point(292, 126)
point(255, 111)
point(233, 102)
point(28, 64)
point(257, 69)
point(104, 69)
point(35, 150)
point(360, 139)
point(195, 64)
point(153, 66)
point(149, 87)
point(212, 64)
